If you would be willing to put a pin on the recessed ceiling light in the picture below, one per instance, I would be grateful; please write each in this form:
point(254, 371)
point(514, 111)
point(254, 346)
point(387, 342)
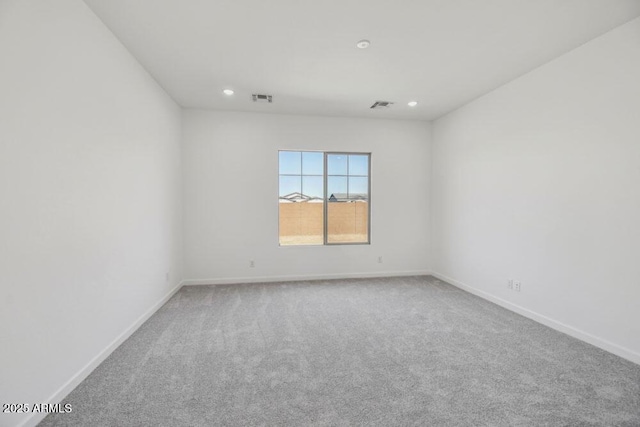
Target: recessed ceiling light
point(228, 92)
point(363, 44)
point(412, 103)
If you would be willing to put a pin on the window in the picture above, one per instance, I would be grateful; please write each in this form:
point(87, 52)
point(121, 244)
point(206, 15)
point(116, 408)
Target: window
point(324, 198)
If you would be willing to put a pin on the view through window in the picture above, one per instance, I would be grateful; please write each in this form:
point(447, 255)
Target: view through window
point(324, 198)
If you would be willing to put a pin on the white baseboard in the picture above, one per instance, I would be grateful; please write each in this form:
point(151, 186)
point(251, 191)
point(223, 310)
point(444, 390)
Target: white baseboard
point(264, 279)
point(83, 373)
point(547, 321)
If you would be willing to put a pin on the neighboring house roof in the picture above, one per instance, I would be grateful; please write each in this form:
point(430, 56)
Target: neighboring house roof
point(299, 197)
point(335, 197)
point(348, 197)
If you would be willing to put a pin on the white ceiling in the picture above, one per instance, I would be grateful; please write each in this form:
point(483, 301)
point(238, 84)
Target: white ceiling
point(441, 53)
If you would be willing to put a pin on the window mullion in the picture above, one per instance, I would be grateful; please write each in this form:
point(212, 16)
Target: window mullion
point(326, 200)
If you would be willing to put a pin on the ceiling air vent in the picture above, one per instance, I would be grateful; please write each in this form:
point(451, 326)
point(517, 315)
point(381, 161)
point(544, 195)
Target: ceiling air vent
point(382, 104)
point(262, 98)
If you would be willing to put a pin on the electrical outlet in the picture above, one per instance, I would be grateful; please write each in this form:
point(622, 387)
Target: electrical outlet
point(379, 260)
point(517, 286)
point(252, 263)
point(166, 277)
point(510, 284)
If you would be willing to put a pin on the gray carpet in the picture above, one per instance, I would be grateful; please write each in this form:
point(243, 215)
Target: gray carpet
point(375, 352)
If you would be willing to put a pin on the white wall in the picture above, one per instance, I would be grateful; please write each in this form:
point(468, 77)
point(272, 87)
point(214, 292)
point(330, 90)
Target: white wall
point(540, 181)
point(90, 209)
point(230, 164)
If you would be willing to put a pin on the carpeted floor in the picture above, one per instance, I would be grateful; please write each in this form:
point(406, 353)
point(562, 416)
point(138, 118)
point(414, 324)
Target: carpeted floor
point(381, 352)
